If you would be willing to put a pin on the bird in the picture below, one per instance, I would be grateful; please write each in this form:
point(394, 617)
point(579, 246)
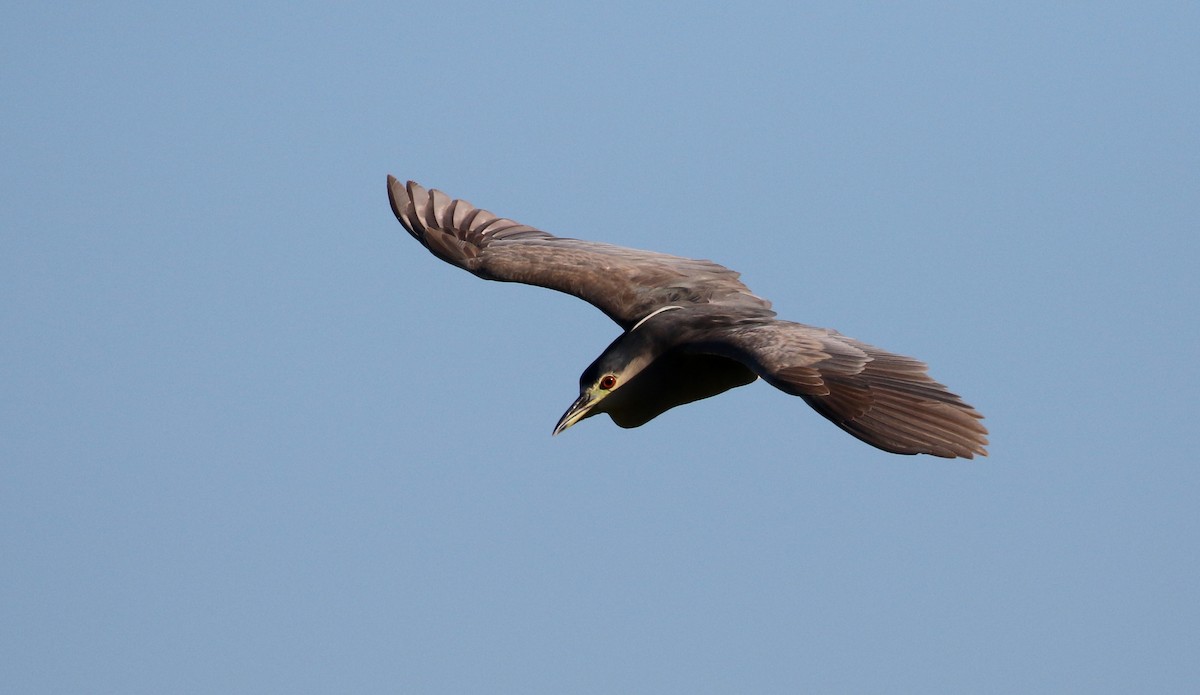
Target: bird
point(692, 330)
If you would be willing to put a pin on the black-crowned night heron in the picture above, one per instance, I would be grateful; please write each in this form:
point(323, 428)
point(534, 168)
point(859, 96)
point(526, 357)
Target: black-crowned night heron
point(693, 330)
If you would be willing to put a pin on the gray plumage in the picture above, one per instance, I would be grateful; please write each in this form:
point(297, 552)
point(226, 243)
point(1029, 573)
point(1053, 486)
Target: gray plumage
point(692, 330)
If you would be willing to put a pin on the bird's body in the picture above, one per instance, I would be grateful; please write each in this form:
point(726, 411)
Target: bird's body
point(692, 330)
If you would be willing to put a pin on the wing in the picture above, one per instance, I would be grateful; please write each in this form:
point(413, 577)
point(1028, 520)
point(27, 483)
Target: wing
point(626, 284)
point(884, 399)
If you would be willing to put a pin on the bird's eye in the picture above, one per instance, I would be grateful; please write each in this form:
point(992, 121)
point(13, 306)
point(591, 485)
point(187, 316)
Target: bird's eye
point(607, 382)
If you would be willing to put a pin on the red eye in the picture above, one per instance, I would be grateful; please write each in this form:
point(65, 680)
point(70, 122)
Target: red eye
point(607, 382)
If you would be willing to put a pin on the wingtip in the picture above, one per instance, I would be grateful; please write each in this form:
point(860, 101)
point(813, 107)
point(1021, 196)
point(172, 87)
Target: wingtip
point(411, 206)
point(397, 197)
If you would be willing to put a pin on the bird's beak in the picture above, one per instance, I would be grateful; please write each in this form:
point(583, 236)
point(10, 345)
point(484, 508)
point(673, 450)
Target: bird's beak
point(580, 409)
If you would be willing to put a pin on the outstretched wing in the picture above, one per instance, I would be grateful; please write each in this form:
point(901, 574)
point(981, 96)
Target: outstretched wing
point(886, 400)
point(626, 284)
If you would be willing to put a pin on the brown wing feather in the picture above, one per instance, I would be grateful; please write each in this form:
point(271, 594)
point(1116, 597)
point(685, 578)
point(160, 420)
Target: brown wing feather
point(886, 400)
point(626, 284)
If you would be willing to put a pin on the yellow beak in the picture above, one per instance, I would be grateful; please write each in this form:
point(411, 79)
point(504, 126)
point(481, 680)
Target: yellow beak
point(581, 408)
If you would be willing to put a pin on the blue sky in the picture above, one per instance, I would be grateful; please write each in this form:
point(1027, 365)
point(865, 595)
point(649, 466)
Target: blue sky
point(256, 439)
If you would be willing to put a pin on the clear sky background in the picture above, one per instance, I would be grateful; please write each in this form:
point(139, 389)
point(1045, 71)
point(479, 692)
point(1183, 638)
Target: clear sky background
point(256, 439)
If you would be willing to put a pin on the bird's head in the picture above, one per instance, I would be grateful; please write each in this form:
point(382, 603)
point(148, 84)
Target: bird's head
point(601, 382)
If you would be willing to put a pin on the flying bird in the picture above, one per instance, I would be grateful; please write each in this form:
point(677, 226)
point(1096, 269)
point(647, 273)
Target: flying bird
point(692, 330)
